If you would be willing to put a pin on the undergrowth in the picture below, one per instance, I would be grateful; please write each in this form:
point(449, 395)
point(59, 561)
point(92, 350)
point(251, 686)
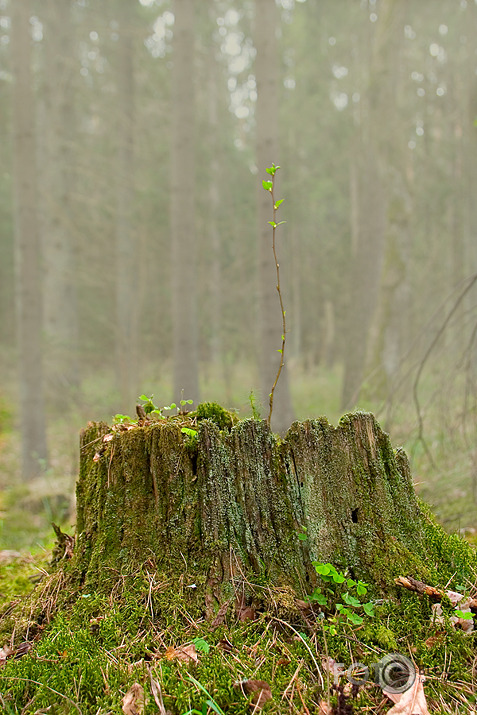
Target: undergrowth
point(87, 649)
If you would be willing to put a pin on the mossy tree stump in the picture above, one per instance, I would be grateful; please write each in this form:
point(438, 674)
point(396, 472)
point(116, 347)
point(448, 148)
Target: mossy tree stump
point(232, 502)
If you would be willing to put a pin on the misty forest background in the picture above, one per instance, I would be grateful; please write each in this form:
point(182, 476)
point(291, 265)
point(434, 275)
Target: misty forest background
point(135, 254)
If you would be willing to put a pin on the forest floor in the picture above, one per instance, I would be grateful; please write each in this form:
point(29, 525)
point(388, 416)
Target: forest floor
point(148, 649)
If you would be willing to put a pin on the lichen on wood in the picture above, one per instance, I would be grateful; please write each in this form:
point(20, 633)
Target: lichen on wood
point(235, 501)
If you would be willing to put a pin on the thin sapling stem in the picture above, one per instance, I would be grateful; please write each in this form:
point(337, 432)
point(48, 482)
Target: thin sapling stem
point(269, 185)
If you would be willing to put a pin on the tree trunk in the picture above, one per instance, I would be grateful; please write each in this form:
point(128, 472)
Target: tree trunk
point(369, 199)
point(184, 249)
point(127, 244)
point(58, 228)
point(234, 501)
point(388, 341)
point(28, 266)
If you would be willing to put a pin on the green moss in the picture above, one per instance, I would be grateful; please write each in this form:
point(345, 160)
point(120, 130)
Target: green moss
point(216, 413)
point(19, 573)
point(167, 534)
point(98, 645)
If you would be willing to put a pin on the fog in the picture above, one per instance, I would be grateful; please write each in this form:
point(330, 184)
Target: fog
point(135, 245)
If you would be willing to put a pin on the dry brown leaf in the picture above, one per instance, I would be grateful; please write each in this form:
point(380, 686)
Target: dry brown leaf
point(185, 654)
point(465, 624)
point(247, 614)
point(134, 700)
point(23, 649)
point(5, 653)
point(329, 665)
point(411, 702)
point(244, 612)
point(437, 613)
point(225, 645)
point(260, 689)
point(454, 597)
point(434, 640)
point(324, 708)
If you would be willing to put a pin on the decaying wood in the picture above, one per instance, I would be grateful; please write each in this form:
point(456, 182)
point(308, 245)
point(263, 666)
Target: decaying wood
point(234, 501)
point(436, 594)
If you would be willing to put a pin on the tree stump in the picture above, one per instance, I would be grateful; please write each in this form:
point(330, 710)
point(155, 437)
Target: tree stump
point(234, 501)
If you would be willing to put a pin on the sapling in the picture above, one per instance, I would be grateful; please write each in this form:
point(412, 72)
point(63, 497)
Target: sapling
point(269, 185)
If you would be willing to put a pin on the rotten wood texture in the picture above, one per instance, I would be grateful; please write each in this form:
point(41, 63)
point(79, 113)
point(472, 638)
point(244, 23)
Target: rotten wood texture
point(234, 501)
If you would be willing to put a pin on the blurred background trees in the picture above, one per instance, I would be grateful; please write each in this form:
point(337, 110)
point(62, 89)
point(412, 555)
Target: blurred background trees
point(133, 234)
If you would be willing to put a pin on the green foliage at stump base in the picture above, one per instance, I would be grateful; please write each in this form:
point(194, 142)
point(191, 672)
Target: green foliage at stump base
point(97, 645)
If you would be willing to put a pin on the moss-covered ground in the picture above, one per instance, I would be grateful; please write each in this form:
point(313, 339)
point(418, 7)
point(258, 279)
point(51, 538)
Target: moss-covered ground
point(87, 649)
point(91, 653)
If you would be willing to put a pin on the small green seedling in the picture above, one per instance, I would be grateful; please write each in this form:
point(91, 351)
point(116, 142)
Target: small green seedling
point(149, 406)
point(151, 409)
point(189, 432)
point(119, 419)
point(466, 615)
point(201, 644)
point(253, 404)
point(336, 582)
point(269, 185)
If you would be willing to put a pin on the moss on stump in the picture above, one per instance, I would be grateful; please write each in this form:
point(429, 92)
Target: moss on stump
point(235, 499)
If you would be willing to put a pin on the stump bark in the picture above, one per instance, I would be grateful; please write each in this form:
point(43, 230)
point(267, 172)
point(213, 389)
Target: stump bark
point(233, 501)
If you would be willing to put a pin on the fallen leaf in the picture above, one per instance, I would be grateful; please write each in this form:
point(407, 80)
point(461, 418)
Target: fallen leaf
point(411, 702)
point(23, 649)
point(185, 654)
point(225, 645)
point(247, 614)
point(465, 624)
point(244, 612)
point(437, 613)
point(330, 665)
point(260, 689)
point(434, 640)
point(5, 653)
point(454, 597)
point(133, 701)
point(324, 708)
point(108, 437)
